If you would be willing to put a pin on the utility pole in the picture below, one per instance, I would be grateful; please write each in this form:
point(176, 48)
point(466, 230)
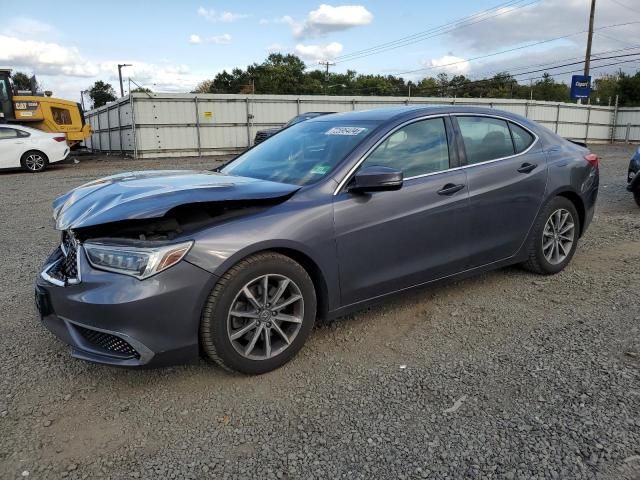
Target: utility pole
point(120, 65)
point(587, 56)
point(326, 64)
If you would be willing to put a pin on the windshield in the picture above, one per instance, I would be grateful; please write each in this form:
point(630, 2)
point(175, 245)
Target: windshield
point(303, 153)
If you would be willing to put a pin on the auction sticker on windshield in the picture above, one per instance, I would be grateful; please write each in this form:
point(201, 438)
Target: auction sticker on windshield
point(345, 131)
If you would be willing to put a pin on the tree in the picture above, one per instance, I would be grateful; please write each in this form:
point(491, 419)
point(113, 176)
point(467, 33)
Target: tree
point(21, 81)
point(141, 90)
point(101, 93)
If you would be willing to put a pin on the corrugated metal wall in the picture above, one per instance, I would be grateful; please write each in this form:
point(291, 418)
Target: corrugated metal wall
point(175, 125)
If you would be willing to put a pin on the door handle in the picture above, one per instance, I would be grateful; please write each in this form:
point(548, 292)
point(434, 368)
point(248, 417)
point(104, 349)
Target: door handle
point(450, 189)
point(527, 167)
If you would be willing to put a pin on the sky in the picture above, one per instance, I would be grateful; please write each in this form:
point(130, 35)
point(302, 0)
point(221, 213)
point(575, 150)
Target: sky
point(174, 45)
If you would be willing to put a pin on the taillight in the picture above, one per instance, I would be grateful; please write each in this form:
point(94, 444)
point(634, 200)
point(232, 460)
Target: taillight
point(593, 159)
point(60, 139)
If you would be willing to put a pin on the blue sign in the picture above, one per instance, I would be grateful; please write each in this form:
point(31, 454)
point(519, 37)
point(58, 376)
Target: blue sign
point(580, 86)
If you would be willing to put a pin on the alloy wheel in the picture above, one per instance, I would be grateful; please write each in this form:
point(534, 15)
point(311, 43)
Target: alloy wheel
point(34, 162)
point(558, 236)
point(265, 317)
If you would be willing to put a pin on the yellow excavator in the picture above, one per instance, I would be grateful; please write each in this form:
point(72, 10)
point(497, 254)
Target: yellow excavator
point(41, 111)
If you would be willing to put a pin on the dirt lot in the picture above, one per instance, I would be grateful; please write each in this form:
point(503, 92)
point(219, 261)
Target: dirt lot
point(507, 375)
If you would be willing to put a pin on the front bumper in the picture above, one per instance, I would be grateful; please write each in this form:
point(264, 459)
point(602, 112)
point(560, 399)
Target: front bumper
point(119, 320)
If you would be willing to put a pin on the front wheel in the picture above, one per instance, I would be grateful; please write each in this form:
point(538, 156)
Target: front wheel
point(554, 237)
point(259, 314)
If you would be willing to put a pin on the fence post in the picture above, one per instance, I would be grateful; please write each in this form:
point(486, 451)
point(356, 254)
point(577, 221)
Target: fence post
point(614, 121)
point(557, 118)
point(627, 133)
point(526, 109)
point(198, 125)
point(248, 122)
point(99, 133)
point(298, 105)
point(353, 104)
point(133, 126)
point(119, 127)
point(586, 133)
point(109, 129)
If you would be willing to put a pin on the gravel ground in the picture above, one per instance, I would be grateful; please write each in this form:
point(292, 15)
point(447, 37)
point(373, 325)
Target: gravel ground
point(507, 375)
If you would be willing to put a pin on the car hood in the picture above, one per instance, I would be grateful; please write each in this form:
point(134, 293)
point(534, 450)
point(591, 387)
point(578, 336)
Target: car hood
point(151, 194)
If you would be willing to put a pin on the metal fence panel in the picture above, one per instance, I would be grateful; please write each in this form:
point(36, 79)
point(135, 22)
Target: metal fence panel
point(197, 124)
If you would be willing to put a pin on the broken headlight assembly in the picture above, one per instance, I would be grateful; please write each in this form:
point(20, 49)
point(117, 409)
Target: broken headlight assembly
point(139, 262)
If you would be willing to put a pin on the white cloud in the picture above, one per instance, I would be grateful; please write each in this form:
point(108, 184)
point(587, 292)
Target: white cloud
point(319, 52)
point(450, 64)
point(194, 39)
point(44, 57)
point(215, 16)
point(65, 71)
point(223, 39)
point(263, 21)
point(328, 18)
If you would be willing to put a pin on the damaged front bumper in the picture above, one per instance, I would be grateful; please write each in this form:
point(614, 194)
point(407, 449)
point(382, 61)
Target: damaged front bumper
point(119, 320)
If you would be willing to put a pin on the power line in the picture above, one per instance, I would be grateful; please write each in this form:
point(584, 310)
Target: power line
point(593, 57)
point(522, 47)
point(430, 30)
point(625, 6)
point(437, 31)
point(484, 80)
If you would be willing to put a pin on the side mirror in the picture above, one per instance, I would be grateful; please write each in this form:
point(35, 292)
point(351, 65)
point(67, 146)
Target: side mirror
point(376, 179)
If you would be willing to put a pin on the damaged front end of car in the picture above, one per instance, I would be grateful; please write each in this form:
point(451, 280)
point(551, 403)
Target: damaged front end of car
point(119, 288)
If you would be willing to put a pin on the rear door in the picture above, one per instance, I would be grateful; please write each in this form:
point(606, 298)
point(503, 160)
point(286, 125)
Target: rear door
point(12, 146)
point(392, 240)
point(506, 175)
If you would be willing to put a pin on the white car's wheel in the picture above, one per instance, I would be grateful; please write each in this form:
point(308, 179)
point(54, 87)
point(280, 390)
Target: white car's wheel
point(34, 161)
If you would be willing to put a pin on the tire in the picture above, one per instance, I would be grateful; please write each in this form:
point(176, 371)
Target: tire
point(546, 260)
point(34, 161)
point(636, 196)
point(294, 321)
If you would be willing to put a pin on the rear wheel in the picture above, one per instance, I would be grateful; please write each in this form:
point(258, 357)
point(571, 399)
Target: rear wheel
point(34, 161)
point(259, 314)
point(554, 237)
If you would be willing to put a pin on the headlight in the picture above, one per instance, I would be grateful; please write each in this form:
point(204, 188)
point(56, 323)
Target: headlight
point(137, 262)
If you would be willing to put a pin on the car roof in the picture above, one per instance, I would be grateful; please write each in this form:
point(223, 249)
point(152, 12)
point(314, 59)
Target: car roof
point(410, 111)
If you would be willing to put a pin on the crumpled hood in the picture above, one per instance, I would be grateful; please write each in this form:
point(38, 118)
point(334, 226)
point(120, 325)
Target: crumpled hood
point(151, 194)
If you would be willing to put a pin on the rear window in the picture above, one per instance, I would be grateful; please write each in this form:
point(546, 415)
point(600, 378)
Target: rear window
point(521, 138)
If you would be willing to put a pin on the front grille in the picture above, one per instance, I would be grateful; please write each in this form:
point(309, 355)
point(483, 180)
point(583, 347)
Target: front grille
point(107, 342)
point(66, 270)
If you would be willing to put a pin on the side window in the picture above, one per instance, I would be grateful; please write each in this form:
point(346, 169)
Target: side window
point(6, 133)
point(485, 138)
point(61, 116)
point(416, 149)
point(521, 138)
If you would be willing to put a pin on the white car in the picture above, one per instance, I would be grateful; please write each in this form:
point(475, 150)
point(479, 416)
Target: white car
point(29, 148)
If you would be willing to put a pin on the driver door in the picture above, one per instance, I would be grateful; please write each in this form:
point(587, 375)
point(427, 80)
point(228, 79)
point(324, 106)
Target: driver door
point(391, 240)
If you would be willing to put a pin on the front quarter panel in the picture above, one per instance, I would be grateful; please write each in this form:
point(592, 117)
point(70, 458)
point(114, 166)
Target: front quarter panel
point(303, 224)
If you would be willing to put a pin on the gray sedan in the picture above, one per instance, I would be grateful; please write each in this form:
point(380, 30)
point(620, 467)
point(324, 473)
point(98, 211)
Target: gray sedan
point(331, 214)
